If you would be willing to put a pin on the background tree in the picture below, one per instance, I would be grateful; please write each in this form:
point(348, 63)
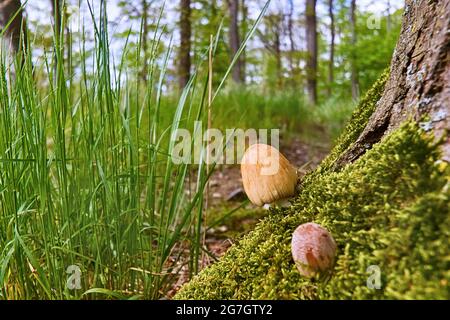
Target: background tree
point(271, 37)
point(332, 45)
point(185, 43)
point(243, 32)
point(142, 17)
point(234, 39)
point(354, 69)
point(11, 9)
point(144, 37)
point(60, 43)
point(312, 51)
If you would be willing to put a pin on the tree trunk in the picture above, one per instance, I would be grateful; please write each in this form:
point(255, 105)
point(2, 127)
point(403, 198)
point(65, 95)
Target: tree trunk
point(57, 15)
point(233, 7)
point(57, 21)
point(332, 44)
point(185, 43)
point(278, 63)
point(419, 83)
point(68, 43)
point(8, 9)
point(291, 41)
point(144, 40)
point(244, 30)
point(354, 70)
point(311, 44)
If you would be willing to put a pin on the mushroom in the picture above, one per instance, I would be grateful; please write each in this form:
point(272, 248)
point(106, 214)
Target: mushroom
point(267, 175)
point(314, 250)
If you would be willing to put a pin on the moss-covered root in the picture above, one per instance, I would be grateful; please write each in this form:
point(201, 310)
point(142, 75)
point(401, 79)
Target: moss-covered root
point(390, 209)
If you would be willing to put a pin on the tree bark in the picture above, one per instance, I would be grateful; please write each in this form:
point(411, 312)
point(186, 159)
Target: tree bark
point(354, 69)
point(233, 7)
point(332, 45)
point(419, 84)
point(185, 45)
point(312, 51)
point(16, 29)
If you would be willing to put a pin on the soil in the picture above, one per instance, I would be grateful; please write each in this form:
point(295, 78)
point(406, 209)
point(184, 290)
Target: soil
point(226, 192)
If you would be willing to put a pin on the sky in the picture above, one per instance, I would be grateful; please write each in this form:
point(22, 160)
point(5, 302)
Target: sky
point(39, 10)
point(39, 14)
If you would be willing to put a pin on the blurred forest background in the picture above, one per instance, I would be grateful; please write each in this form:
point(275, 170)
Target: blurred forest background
point(321, 53)
point(97, 87)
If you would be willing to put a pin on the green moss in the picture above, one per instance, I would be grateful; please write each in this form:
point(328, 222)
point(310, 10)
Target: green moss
point(389, 209)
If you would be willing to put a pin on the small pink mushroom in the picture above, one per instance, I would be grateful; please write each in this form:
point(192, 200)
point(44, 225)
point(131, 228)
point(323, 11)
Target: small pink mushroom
point(313, 249)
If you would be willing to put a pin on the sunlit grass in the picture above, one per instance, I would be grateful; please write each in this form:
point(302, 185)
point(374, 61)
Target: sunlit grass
point(86, 174)
point(87, 179)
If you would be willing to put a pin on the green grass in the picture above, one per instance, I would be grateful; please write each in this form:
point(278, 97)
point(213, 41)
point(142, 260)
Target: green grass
point(86, 176)
point(285, 110)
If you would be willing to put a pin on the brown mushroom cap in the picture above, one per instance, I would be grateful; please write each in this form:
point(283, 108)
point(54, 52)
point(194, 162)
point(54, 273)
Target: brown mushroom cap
point(267, 175)
point(313, 249)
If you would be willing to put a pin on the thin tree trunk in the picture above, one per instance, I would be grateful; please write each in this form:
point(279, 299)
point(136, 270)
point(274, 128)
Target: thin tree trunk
point(68, 43)
point(144, 38)
point(57, 21)
point(312, 51)
point(244, 30)
point(354, 69)
point(185, 45)
point(277, 48)
point(233, 7)
point(13, 36)
point(332, 45)
point(291, 40)
point(57, 14)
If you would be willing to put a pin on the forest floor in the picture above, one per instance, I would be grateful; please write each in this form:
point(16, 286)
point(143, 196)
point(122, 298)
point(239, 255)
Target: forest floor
point(226, 193)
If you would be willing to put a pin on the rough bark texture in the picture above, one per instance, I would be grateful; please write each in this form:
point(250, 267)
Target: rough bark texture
point(419, 83)
point(185, 45)
point(311, 44)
